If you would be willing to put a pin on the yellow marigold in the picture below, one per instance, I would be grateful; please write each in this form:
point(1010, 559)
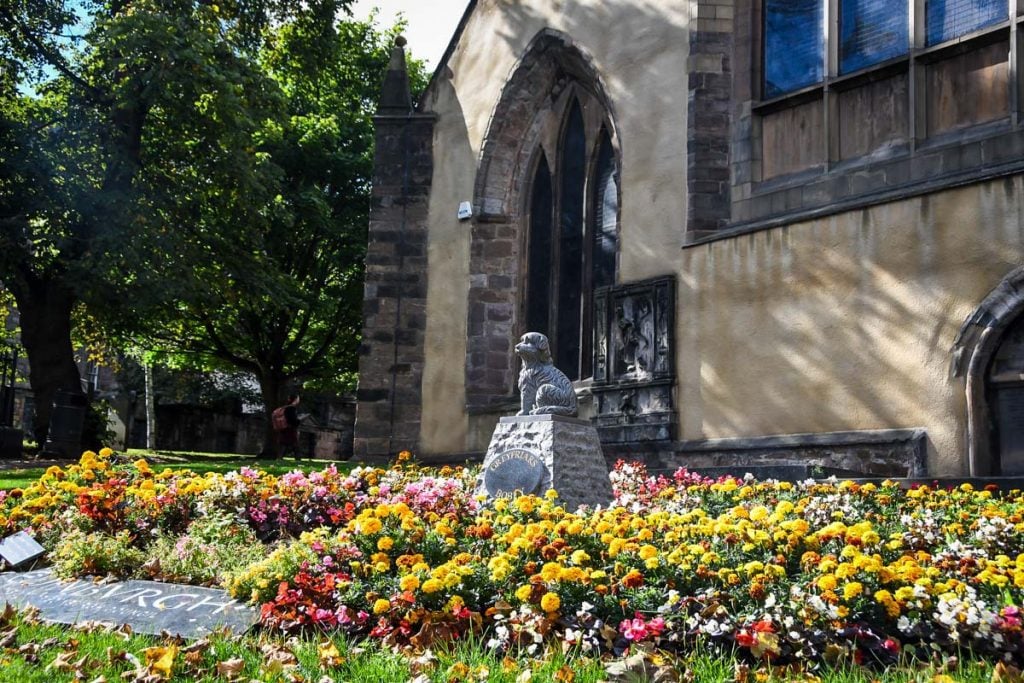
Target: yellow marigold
point(385, 543)
point(647, 552)
point(370, 526)
point(523, 593)
point(852, 590)
point(550, 602)
point(409, 582)
point(432, 586)
point(580, 557)
point(551, 494)
point(572, 574)
point(827, 582)
point(526, 504)
point(551, 571)
point(380, 606)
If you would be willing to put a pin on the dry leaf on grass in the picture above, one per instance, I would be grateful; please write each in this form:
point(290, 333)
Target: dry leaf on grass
point(329, 655)
point(231, 669)
point(1006, 673)
point(565, 674)
point(160, 660)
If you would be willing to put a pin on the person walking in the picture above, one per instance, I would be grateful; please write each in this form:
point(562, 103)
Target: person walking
point(286, 425)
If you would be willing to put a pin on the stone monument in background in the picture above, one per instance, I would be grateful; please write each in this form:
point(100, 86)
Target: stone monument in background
point(545, 446)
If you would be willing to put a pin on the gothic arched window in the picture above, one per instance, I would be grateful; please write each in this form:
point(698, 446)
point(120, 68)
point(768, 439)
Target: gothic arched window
point(572, 235)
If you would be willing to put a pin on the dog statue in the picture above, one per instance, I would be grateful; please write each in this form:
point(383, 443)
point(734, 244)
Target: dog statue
point(545, 390)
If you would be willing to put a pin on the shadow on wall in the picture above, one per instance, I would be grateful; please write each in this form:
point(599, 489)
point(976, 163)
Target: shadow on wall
point(848, 322)
point(443, 419)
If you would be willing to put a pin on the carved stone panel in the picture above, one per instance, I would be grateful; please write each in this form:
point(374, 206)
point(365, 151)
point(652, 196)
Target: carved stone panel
point(634, 361)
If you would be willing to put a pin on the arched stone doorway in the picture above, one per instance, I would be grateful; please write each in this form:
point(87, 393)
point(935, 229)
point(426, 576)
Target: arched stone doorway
point(989, 354)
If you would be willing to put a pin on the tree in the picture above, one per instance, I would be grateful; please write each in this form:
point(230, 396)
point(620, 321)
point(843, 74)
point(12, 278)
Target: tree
point(121, 123)
point(282, 298)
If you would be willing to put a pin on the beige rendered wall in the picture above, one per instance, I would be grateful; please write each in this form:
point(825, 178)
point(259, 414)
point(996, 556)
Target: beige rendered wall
point(841, 323)
point(639, 50)
point(846, 322)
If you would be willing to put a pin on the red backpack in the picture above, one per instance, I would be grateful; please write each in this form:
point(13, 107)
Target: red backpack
point(278, 419)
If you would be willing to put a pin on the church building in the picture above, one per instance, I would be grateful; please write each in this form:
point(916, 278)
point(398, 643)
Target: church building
point(756, 232)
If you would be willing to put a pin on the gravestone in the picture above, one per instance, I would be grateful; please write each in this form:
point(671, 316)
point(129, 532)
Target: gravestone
point(146, 606)
point(530, 454)
point(20, 548)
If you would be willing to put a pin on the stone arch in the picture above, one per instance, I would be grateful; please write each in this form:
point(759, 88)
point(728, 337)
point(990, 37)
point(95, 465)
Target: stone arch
point(550, 62)
point(976, 342)
point(551, 65)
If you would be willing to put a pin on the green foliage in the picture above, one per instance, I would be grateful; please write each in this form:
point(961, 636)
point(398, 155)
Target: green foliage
point(213, 546)
point(196, 173)
point(97, 428)
point(96, 553)
point(287, 305)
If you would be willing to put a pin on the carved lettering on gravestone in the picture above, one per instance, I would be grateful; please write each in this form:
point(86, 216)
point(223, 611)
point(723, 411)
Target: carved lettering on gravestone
point(147, 606)
point(19, 548)
point(515, 470)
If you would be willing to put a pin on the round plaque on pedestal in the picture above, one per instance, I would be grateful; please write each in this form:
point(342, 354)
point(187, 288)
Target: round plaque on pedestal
point(515, 470)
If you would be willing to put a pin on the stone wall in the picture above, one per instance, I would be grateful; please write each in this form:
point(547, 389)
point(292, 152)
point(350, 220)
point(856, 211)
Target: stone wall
point(394, 305)
point(708, 130)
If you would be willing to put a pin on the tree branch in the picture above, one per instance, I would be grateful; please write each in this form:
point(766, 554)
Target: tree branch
point(52, 57)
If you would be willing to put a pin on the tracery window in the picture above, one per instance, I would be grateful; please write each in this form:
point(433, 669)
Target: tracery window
point(572, 232)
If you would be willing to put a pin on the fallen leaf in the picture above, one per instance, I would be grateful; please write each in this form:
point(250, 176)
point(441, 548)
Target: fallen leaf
point(329, 655)
point(457, 672)
point(197, 646)
point(565, 674)
point(160, 660)
point(62, 662)
point(1006, 673)
point(422, 663)
point(231, 668)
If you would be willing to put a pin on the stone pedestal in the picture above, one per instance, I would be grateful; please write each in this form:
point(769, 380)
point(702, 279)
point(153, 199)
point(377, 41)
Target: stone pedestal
point(534, 453)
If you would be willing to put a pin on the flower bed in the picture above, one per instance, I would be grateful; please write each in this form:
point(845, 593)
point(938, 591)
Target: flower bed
point(819, 571)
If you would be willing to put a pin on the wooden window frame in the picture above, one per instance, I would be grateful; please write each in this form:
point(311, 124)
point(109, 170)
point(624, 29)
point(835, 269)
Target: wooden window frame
point(913, 64)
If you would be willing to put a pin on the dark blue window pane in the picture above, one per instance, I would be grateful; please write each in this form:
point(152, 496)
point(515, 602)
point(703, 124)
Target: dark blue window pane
point(538, 288)
point(871, 31)
point(793, 45)
point(948, 19)
point(606, 216)
point(570, 244)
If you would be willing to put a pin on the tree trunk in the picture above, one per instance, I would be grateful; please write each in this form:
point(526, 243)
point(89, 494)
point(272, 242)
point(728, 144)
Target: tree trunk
point(150, 408)
point(45, 312)
point(272, 388)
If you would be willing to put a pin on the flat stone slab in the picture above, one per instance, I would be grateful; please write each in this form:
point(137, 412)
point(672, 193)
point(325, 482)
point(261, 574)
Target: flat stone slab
point(530, 454)
point(20, 548)
point(147, 606)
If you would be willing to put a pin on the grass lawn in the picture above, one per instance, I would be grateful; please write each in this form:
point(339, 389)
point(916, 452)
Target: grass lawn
point(46, 653)
point(197, 462)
